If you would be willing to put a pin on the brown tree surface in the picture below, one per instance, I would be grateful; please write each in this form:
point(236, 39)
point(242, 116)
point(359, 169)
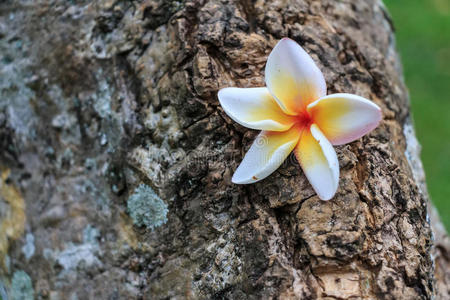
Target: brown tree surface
point(109, 115)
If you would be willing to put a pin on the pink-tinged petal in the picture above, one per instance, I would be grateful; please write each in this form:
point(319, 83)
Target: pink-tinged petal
point(254, 108)
point(319, 162)
point(266, 154)
point(293, 77)
point(344, 118)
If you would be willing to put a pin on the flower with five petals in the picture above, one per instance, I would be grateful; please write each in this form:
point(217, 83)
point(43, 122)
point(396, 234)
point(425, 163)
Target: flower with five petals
point(294, 113)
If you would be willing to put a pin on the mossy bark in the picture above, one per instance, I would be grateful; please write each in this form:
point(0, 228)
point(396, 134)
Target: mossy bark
point(98, 97)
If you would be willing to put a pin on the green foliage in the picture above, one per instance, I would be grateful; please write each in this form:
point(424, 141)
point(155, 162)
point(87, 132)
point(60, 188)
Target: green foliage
point(146, 208)
point(423, 38)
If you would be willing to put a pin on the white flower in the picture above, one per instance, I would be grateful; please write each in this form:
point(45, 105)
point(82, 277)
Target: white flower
point(294, 113)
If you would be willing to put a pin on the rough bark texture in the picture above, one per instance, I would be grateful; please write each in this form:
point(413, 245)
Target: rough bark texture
point(100, 97)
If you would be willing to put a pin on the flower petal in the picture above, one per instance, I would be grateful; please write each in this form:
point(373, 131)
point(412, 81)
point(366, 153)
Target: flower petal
point(344, 118)
point(254, 108)
point(266, 154)
point(293, 77)
point(319, 162)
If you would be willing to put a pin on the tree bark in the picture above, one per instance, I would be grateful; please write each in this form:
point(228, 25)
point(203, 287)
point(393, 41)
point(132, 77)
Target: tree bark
point(108, 111)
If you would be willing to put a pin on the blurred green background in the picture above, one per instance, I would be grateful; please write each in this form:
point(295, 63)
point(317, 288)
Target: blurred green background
point(423, 40)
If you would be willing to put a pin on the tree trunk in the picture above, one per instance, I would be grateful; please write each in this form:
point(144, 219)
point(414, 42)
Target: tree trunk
point(116, 158)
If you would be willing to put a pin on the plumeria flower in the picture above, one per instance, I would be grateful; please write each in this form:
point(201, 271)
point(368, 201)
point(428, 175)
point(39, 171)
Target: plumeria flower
point(294, 113)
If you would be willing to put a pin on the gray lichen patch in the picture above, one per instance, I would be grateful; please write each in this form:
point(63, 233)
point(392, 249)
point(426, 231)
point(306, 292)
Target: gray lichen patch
point(21, 286)
point(3, 295)
point(146, 208)
point(151, 161)
point(110, 106)
point(29, 248)
point(90, 235)
point(102, 98)
point(226, 265)
point(73, 256)
point(15, 79)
